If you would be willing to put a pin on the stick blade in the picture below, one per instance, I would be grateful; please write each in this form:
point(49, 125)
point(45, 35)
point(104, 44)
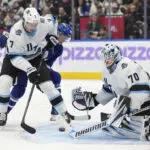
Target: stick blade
point(28, 128)
point(72, 133)
point(80, 118)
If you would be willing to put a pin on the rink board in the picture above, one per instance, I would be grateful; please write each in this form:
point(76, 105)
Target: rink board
point(81, 59)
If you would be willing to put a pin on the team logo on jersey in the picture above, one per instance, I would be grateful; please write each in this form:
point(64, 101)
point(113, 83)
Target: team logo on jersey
point(28, 11)
point(18, 32)
point(42, 20)
point(124, 65)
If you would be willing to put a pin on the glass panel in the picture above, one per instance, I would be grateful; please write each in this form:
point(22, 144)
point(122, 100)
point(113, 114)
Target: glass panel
point(112, 19)
point(148, 18)
point(90, 19)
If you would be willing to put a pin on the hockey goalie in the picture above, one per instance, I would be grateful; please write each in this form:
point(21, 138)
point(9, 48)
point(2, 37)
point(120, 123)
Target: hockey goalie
point(127, 84)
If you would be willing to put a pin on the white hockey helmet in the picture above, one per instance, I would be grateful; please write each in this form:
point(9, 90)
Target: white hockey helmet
point(31, 15)
point(111, 54)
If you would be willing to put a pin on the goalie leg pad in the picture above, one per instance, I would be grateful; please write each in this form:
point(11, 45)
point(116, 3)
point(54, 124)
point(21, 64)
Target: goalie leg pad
point(144, 110)
point(128, 129)
point(122, 107)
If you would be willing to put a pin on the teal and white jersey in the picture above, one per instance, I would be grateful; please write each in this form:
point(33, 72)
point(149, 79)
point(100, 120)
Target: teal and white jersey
point(26, 47)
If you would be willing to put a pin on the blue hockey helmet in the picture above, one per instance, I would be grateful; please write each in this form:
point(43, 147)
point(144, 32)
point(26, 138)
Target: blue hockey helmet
point(65, 29)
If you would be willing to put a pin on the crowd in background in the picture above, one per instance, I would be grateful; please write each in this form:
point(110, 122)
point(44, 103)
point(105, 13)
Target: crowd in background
point(132, 11)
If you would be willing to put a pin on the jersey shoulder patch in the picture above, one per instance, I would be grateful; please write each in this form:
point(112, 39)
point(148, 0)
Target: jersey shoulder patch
point(18, 32)
point(124, 65)
point(42, 20)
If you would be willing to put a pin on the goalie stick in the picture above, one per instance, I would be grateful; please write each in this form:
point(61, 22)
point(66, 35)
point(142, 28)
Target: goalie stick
point(104, 124)
point(79, 118)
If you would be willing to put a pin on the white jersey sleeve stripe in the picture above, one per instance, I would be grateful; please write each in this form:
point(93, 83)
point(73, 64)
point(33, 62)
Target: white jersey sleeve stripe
point(15, 53)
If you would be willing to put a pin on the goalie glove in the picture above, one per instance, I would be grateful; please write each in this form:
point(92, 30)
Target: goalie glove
point(83, 100)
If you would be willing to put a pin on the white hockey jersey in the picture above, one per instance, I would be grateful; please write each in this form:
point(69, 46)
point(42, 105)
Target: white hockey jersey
point(27, 47)
point(127, 74)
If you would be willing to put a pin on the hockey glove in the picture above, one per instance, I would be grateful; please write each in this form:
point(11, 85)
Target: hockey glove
point(51, 41)
point(83, 100)
point(32, 74)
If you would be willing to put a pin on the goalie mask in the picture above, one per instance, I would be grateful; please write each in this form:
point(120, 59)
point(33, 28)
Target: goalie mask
point(111, 55)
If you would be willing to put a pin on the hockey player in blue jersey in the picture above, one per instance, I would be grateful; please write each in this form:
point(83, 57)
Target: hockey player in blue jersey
point(64, 32)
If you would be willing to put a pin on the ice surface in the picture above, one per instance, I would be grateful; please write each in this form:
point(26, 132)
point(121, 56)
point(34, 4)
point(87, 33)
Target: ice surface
point(47, 137)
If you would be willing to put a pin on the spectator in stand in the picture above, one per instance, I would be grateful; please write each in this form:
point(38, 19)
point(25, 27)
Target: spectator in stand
point(93, 8)
point(18, 9)
point(115, 10)
point(132, 25)
point(83, 8)
point(66, 5)
point(102, 34)
point(48, 3)
point(100, 12)
point(9, 19)
point(5, 7)
point(93, 26)
point(62, 16)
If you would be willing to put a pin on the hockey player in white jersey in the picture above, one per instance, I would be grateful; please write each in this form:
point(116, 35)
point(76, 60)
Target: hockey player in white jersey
point(127, 84)
point(25, 45)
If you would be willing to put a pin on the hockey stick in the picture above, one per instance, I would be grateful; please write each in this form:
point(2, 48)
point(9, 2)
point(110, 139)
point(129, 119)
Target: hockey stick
point(23, 124)
point(80, 118)
point(104, 124)
point(33, 130)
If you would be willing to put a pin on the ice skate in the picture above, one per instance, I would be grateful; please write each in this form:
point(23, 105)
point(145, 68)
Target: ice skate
point(3, 119)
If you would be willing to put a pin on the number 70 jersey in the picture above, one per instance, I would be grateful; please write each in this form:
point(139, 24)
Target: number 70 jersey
point(29, 46)
point(126, 74)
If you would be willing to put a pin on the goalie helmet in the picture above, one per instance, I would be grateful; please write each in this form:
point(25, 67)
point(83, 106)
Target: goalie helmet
point(111, 54)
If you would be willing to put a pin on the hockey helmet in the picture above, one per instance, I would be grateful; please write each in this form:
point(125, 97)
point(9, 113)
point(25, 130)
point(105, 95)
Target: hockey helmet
point(31, 15)
point(65, 29)
point(31, 19)
point(111, 54)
